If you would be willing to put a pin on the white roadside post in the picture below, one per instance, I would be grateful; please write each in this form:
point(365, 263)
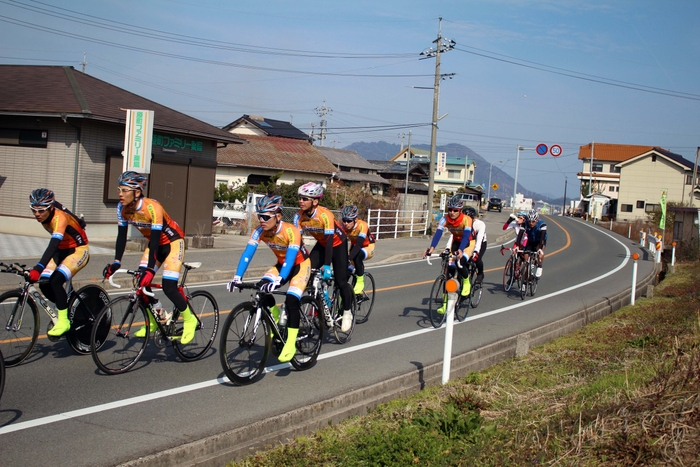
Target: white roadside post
point(451, 287)
point(673, 254)
point(635, 257)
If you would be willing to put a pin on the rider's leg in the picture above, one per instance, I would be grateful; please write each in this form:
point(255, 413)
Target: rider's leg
point(340, 272)
point(293, 305)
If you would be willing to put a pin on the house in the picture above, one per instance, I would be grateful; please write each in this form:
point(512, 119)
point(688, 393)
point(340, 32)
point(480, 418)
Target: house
point(270, 146)
point(600, 166)
point(457, 173)
point(64, 130)
point(644, 177)
point(355, 170)
point(395, 173)
point(686, 226)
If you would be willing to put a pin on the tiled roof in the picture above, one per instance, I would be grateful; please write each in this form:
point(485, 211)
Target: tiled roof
point(612, 152)
point(275, 152)
point(269, 127)
point(347, 158)
point(674, 157)
point(58, 90)
point(358, 177)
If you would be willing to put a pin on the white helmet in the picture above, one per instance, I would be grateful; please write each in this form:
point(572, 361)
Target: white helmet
point(312, 190)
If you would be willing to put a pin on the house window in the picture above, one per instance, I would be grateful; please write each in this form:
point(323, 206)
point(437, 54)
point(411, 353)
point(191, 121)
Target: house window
point(24, 138)
point(625, 208)
point(640, 204)
point(254, 179)
point(678, 230)
point(652, 208)
point(653, 157)
point(688, 179)
point(364, 171)
point(597, 167)
point(614, 169)
point(454, 174)
point(344, 169)
point(611, 188)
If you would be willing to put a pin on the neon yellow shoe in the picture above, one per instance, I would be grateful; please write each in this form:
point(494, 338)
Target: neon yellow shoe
point(61, 326)
point(359, 285)
point(443, 308)
point(189, 326)
point(466, 287)
point(290, 347)
point(153, 326)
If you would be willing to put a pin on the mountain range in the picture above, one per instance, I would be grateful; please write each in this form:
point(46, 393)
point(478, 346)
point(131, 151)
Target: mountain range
point(382, 150)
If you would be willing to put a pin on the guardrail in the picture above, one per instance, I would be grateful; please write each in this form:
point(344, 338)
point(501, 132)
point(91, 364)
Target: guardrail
point(384, 223)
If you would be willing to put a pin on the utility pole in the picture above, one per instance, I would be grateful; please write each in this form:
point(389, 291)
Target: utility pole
point(408, 164)
point(441, 45)
point(693, 179)
point(322, 111)
point(84, 62)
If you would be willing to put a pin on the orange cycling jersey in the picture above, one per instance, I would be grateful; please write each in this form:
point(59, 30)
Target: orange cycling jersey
point(148, 215)
point(320, 224)
point(359, 233)
point(286, 237)
point(67, 229)
point(456, 227)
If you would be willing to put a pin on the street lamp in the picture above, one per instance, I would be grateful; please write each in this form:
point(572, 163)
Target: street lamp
point(490, 168)
point(517, 163)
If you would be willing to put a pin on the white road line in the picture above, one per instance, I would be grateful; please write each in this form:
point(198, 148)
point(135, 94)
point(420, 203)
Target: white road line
point(221, 381)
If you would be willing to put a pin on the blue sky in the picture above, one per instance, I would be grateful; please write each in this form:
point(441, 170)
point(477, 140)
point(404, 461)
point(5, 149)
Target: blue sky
point(564, 72)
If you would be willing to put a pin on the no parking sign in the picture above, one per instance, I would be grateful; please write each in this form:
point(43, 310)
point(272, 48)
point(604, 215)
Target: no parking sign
point(541, 149)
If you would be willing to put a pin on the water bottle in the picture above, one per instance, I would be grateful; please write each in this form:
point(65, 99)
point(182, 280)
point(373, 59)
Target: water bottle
point(283, 316)
point(161, 313)
point(326, 298)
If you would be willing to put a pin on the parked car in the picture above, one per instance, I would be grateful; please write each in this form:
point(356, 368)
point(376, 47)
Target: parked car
point(496, 204)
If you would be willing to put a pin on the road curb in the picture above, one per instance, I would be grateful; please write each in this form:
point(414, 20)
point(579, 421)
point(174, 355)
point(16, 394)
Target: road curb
point(220, 449)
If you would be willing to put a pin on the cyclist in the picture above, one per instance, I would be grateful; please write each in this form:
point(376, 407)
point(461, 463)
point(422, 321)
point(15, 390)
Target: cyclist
point(331, 243)
point(536, 238)
point(166, 247)
point(293, 266)
point(479, 236)
point(66, 254)
point(361, 244)
point(460, 226)
point(517, 222)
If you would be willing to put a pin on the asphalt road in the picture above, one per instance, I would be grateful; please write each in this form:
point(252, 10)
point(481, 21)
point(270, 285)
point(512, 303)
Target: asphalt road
point(58, 410)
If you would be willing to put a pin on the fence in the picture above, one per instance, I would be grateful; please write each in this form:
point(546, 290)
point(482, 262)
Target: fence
point(386, 223)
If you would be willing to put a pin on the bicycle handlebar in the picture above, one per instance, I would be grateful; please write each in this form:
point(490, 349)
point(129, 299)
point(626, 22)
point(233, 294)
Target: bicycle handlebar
point(133, 273)
point(442, 255)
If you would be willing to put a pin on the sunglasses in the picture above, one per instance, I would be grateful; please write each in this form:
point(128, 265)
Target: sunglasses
point(454, 210)
point(265, 217)
point(347, 221)
point(122, 189)
point(305, 198)
point(39, 209)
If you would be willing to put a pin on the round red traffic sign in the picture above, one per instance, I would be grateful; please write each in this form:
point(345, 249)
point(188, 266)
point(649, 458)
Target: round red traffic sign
point(541, 149)
point(555, 150)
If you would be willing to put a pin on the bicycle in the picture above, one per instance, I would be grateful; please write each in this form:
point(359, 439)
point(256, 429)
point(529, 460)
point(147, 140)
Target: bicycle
point(529, 279)
point(19, 316)
point(363, 301)
point(118, 351)
point(328, 295)
point(474, 297)
point(511, 271)
point(250, 332)
point(438, 295)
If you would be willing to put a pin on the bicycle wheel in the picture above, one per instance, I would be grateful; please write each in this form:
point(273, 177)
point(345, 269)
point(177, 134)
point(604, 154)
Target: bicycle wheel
point(2, 374)
point(337, 314)
point(524, 277)
point(310, 337)
point(120, 350)
point(19, 328)
point(244, 344)
point(533, 280)
point(82, 310)
point(438, 298)
point(203, 305)
point(508, 274)
point(477, 289)
point(462, 307)
point(365, 301)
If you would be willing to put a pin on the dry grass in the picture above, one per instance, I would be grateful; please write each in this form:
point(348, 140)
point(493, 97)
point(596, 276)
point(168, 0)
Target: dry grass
point(624, 391)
